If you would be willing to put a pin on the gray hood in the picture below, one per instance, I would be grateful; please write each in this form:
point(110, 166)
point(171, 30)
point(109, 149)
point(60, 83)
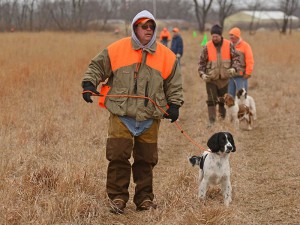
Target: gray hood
point(143, 14)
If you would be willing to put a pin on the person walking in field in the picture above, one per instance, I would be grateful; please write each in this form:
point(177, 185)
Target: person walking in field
point(135, 66)
point(165, 36)
point(240, 79)
point(177, 44)
point(218, 62)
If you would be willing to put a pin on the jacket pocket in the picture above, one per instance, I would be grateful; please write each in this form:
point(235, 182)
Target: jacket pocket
point(117, 102)
point(212, 71)
point(224, 71)
point(160, 100)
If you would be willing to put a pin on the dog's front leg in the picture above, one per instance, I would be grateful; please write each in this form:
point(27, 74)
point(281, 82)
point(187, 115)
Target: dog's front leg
point(226, 188)
point(202, 189)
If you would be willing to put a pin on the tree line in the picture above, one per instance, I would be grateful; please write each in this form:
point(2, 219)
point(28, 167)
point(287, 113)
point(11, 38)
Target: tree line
point(79, 15)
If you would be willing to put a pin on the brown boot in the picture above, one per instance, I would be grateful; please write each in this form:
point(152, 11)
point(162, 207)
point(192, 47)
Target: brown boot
point(211, 114)
point(117, 206)
point(222, 110)
point(146, 205)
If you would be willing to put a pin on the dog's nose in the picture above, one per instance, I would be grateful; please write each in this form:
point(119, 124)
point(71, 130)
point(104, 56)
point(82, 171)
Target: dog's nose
point(229, 147)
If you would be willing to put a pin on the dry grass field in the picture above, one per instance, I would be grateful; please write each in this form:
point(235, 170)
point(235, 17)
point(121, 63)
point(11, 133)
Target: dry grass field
point(52, 143)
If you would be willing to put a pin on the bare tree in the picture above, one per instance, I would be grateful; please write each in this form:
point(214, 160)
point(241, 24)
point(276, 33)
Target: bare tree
point(6, 18)
point(289, 7)
point(31, 11)
point(226, 8)
point(201, 12)
point(109, 11)
point(78, 14)
point(59, 14)
point(255, 7)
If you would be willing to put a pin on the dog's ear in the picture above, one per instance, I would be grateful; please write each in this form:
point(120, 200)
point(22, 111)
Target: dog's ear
point(239, 93)
point(194, 160)
point(213, 143)
point(231, 141)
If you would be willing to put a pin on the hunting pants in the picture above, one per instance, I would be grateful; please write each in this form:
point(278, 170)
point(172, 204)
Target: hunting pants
point(213, 92)
point(121, 144)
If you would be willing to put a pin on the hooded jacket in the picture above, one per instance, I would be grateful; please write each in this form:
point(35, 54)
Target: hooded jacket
point(131, 68)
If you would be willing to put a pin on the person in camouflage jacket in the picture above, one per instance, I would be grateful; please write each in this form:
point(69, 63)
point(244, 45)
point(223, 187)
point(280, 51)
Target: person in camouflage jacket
point(218, 62)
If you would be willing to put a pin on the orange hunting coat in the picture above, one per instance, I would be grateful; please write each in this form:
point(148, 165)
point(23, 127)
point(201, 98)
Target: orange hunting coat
point(130, 70)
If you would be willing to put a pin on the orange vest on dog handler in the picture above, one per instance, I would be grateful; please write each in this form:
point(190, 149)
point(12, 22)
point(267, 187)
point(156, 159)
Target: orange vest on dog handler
point(212, 51)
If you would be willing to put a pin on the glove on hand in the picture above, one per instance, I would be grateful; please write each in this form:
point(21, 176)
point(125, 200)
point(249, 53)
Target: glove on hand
point(88, 89)
point(205, 77)
point(246, 76)
point(231, 71)
point(173, 112)
point(178, 55)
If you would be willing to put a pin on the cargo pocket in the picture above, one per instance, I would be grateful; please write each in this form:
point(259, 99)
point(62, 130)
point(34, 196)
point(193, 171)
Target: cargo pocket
point(161, 102)
point(117, 102)
point(211, 71)
point(224, 71)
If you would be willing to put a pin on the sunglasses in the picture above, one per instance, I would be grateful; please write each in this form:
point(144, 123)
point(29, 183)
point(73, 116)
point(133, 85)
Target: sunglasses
point(146, 26)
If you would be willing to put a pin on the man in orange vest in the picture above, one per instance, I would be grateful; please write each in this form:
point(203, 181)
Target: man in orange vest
point(240, 79)
point(165, 36)
point(137, 69)
point(218, 62)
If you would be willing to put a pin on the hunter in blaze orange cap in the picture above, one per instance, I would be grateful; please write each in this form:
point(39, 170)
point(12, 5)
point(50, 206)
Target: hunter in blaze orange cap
point(247, 62)
point(236, 32)
point(175, 29)
point(142, 21)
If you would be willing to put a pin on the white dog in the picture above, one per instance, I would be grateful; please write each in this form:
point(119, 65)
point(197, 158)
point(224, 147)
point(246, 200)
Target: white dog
point(245, 99)
point(214, 165)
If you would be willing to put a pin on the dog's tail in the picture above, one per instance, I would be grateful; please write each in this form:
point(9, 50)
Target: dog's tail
point(198, 160)
point(195, 160)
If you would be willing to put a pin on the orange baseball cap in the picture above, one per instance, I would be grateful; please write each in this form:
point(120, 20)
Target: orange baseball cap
point(175, 29)
point(236, 32)
point(142, 21)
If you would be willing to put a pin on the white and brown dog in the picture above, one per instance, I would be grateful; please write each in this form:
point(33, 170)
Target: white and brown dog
point(232, 108)
point(214, 165)
point(245, 99)
point(237, 112)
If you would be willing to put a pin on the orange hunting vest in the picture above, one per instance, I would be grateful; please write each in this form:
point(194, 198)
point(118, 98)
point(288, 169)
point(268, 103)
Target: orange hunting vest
point(218, 62)
point(122, 54)
point(150, 72)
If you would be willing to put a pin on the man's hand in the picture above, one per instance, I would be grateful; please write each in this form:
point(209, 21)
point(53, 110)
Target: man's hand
point(232, 72)
point(173, 113)
point(88, 90)
point(247, 76)
point(205, 77)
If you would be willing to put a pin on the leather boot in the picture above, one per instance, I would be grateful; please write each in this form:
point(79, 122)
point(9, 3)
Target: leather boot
point(211, 114)
point(222, 110)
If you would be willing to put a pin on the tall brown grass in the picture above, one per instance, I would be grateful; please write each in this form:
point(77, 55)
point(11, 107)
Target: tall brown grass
point(52, 144)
